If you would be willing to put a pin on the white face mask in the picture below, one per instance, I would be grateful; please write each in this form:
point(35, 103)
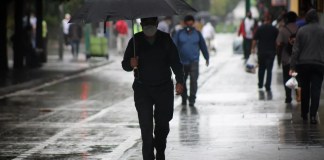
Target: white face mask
point(149, 30)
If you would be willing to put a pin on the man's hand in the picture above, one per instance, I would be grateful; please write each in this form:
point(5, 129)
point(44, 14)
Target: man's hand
point(207, 63)
point(292, 73)
point(179, 89)
point(253, 50)
point(134, 62)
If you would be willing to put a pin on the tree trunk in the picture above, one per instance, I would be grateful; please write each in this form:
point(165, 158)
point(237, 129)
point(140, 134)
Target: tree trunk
point(18, 36)
point(60, 36)
point(39, 32)
point(3, 37)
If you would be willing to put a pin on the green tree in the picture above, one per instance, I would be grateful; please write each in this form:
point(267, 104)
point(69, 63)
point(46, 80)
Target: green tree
point(222, 7)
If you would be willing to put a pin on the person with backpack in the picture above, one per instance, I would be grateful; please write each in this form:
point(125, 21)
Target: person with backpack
point(285, 42)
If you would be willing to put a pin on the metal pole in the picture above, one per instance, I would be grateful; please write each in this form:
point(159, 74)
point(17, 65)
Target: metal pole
point(247, 6)
point(61, 35)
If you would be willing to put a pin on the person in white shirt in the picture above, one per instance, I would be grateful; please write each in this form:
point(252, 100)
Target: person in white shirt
point(208, 32)
point(164, 25)
point(66, 25)
point(33, 23)
point(247, 29)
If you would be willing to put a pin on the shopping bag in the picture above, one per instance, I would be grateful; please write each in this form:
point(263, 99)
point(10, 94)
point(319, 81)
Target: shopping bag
point(252, 63)
point(292, 83)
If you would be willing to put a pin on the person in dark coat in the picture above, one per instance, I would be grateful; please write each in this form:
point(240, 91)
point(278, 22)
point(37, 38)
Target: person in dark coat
point(156, 55)
point(284, 45)
point(75, 35)
point(265, 38)
point(308, 60)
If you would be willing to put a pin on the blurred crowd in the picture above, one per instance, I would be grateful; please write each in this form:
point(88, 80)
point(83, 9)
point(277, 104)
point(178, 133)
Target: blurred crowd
point(297, 43)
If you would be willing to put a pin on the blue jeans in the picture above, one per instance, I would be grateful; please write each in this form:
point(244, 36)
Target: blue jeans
point(75, 47)
point(191, 70)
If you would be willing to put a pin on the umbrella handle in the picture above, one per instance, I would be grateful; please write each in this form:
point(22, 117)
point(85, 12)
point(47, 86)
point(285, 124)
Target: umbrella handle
point(135, 68)
point(133, 37)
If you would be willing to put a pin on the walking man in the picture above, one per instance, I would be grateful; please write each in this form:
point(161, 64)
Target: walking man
point(265, 38)
point(189, 42)
point(247, 28)
point(153, 88)
point(75, 35)
point(307, 58)
point(284, 44)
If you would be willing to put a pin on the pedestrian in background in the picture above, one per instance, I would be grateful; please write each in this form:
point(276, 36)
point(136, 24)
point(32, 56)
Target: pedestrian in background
point(75, 35)
point(308, 60)
point(122, 33)
point(189, 42)
point(33, 23)
point(284, 45)
point(66, 26)
point(165, 24)
point(208, 32)
point(265, 39)
point(279, 23)
point(247, 29)
point(153, 88)
point(198, 24)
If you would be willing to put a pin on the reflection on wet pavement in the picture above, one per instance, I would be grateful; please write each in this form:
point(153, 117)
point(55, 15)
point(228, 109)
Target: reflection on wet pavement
point(93, 117)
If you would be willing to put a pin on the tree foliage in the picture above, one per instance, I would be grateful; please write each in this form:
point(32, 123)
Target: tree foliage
point(222, 7)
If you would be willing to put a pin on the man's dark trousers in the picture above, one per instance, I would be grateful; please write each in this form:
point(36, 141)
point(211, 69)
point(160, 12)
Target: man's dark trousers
point(162, 98)
point(265, 64)
point(191, 70)
point(311, 78)
point(247, 45)
point(286, 77)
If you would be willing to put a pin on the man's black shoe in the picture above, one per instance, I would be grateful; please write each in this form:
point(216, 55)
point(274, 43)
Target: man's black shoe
point(313, 120)
point(160, 156)
point(191, 104)
point(288, 100)
point(305, 118)
point(184, 103)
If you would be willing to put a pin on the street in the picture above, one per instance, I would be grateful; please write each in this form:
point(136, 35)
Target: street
point(92, 116)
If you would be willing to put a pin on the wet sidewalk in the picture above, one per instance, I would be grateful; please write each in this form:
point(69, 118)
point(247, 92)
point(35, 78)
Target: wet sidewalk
point(232, 120)
point(53, 69)
point(93, 117)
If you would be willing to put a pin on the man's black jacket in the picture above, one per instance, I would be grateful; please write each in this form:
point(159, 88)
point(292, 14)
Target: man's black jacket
point(154, 60)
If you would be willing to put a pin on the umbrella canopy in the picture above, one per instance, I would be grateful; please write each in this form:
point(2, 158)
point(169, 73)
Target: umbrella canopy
point(103, 10)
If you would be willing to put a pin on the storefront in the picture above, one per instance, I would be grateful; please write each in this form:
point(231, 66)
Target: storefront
point(302, 6)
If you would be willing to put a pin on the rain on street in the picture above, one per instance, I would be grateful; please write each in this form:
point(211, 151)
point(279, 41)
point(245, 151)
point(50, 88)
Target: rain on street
point(92, 116)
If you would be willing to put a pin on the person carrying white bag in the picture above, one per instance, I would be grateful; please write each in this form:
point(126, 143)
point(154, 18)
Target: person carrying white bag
point(307, 58)
point(292, 83)
point(252, 63)
point(265, 39)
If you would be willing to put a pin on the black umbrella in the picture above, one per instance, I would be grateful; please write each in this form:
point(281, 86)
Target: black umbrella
point(104, 10)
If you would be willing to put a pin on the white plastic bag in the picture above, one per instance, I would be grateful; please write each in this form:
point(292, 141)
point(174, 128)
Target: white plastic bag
point(252, 63)
point(292, 83)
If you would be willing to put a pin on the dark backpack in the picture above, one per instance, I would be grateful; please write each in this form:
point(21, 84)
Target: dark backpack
point(291, 41)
